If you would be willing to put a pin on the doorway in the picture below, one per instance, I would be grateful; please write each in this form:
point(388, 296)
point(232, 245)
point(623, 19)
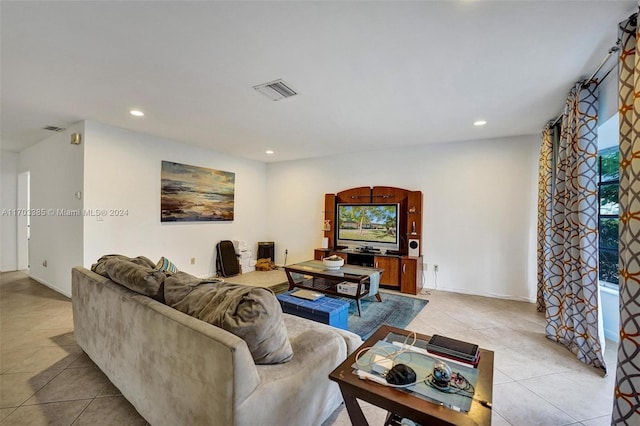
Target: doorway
point(24, 221)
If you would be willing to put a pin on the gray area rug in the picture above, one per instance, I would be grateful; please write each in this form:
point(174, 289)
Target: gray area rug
point(395, 310)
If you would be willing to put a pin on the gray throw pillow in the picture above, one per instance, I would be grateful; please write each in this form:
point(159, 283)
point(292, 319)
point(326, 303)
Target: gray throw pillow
point(141, 279)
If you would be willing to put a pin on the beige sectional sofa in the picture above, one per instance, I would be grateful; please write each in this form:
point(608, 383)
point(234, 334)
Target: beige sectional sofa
point(178, 370)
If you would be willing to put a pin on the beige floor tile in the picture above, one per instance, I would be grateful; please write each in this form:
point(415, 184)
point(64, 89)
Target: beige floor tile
point(422, 326)
point(17, 388)
point(600, 421)
point(115, 410)
point(580, 402)
point(507, 337)
point(4, 412)
point(28, 338)
point(340, 417)
point(82, 361)
point(109, 390)
point(47, 358)
point(498, 420)
point(71, 384)
point(500, 377)
point(52, 414)
point(525, 364)
point(61, 320)
point(519, 406)
point(11, 359)
point(479, 320)
point(445, 323)
point(374, 415)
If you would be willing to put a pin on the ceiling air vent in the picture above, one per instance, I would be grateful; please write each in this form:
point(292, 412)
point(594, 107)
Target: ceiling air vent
point(53, 128)
point(276, 90)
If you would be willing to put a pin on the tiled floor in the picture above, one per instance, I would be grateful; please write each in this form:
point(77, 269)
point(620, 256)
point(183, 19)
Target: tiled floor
point(45, 378)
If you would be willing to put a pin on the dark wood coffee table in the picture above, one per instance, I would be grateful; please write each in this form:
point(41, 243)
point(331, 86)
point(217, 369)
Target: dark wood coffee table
point(406, 405)
point(314, 275)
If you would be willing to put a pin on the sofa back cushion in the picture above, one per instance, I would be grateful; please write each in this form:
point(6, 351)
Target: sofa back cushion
point(138, 278)
point(255, 315)
point(100, 266)
point(251, 313)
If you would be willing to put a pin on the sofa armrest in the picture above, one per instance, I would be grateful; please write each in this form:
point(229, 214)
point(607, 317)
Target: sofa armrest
point(173, 368)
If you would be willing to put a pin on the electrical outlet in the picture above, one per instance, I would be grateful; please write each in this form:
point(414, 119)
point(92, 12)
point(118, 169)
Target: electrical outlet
point(44, 263)
point(193, 260)
point(435, 268)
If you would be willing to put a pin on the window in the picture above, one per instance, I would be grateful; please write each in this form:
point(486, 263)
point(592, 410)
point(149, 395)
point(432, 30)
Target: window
point(608, 184)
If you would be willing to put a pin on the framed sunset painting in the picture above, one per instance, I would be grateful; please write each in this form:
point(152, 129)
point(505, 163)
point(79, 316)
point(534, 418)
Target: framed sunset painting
point(195, 194)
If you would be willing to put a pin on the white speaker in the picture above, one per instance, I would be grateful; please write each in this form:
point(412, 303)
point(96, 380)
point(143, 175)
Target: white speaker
point(414, 247)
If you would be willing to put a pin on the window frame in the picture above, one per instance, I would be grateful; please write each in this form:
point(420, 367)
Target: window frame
point(603, 184)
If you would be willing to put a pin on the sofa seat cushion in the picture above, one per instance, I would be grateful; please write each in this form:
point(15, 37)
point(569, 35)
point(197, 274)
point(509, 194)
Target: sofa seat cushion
point(297, 326)
point(251, 313)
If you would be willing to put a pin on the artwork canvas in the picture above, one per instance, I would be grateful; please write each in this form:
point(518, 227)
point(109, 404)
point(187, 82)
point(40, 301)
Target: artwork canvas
point(195, 194)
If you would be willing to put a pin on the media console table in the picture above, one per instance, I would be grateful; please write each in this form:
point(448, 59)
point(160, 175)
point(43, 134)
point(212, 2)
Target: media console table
point(314, 275)
point(403, 271)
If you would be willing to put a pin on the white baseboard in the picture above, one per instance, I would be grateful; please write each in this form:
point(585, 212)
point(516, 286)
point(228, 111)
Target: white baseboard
point(51, 286)
point(483, 294)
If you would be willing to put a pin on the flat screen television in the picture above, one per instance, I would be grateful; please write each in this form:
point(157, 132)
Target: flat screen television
point(368, 225)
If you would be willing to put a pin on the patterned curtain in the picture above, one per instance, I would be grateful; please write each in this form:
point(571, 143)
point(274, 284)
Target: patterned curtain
point(569, 263)
point(545, 198)
point(626, 406)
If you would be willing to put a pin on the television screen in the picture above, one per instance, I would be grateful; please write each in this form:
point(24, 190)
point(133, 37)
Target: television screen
point(368, 223)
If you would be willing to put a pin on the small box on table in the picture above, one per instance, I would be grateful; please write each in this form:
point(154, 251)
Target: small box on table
point(349, 288)
point(326, 310)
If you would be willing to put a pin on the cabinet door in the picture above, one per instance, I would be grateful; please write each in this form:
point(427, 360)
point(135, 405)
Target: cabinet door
point(391, 266)
point(411, 275)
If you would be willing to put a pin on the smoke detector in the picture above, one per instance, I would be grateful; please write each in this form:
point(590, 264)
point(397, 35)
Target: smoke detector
point(276, 90)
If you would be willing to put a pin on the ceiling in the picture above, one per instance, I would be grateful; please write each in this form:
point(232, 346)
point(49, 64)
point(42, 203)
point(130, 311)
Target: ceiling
point(370, 75)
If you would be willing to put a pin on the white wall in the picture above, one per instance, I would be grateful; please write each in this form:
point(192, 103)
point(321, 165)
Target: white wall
point(479, 215)
point(608, 94)
point(610, 310)
point(122, 171)
point(56, 173)
point(9, 199)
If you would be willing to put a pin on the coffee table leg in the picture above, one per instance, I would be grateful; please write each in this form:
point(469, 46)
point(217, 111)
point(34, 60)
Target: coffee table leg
point(358, 303)
point(353, 409)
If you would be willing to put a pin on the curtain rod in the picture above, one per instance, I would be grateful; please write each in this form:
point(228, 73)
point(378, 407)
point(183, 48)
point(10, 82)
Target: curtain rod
point(611, 51)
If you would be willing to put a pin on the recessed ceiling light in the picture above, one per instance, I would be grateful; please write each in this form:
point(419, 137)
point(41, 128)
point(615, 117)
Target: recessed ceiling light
point(479, 123)
point(268, 152)
point(136, 113)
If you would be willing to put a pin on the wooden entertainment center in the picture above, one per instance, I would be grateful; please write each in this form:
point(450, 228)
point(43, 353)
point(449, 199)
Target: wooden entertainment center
point(402, 269)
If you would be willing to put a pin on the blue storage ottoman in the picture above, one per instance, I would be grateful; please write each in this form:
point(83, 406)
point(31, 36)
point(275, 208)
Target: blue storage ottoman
point(325, 310)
